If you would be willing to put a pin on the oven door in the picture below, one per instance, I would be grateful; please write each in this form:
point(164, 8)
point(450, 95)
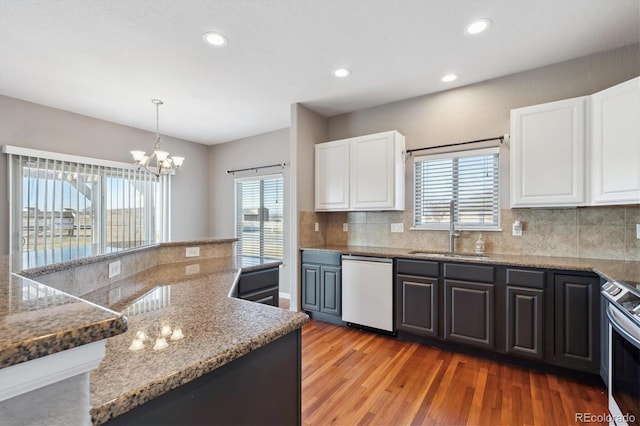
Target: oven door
point(624, 369)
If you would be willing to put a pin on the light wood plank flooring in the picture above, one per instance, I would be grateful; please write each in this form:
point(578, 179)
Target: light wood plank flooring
point(352, 377)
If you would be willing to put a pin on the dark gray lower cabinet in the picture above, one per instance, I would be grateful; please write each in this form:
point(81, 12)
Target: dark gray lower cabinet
point(541, 315)
point(577, 325)
point(525, 322)
point(331, 290)
point(260, 286)
point(469, 313)
point(311, 287)
point(322, 285)
point(417, 305)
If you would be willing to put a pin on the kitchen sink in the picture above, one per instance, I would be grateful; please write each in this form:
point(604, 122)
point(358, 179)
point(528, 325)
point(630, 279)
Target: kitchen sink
point(450, 255)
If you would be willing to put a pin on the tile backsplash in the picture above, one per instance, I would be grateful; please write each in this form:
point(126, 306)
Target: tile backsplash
point(586, 232)
point(83, 279)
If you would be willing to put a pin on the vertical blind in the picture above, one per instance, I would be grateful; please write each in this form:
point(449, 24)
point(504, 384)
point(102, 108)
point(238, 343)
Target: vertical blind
point(469, 178)
point(65, 209)
point(259, 216)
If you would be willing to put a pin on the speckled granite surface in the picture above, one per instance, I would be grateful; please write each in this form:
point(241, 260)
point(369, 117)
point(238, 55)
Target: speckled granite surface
point(37, 320)
point(190, 296)
point(628, 271)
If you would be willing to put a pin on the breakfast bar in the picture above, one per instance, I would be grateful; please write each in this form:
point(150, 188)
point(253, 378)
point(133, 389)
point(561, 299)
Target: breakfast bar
point(176, 338)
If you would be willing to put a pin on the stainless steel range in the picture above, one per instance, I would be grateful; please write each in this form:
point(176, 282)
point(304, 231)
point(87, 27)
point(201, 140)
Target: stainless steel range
point(623, 316)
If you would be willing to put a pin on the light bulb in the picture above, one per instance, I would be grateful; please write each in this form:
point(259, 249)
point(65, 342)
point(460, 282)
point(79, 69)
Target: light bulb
point(341, 72)
point(178, 161)
point(449, 77)
point(138, 156)
point(161, 155)
point(476, 27)
point(214, 39)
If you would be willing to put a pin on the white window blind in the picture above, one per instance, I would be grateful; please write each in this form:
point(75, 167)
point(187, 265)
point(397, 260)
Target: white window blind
point(259, 216)
point(469, 178)
point(64, 209)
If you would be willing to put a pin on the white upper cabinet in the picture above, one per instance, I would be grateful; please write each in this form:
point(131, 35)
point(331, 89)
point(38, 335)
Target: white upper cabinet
point(374, 176)
point(377, 172)
point(332, 175)
point(548, 154)
point(615, 144)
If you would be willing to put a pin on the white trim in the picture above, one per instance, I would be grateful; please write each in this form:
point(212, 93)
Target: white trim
point(283, 295)
point(48, 155)
point(258, 177)
point(37, 373)
point(458, 154)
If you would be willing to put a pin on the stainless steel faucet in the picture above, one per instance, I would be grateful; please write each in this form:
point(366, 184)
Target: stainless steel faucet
point(453, 234)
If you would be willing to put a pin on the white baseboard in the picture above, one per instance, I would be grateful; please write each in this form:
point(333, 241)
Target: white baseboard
point(284, 295)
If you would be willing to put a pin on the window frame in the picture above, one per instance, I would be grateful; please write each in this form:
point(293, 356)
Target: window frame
point(105, 170)
point(236, 214)
point(459, 226)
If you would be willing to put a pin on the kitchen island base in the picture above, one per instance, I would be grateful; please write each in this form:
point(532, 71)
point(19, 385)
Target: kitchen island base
point(262, 387)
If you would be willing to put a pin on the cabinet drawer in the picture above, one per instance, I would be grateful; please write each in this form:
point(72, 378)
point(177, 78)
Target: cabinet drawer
point(422, 268)
point(257, 280)
point(525, 278)
point(321, 257)
point(266, 297)
point(477, 273)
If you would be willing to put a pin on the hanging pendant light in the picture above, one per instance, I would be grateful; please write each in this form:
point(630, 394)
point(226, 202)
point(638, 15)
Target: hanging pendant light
point(164, 163)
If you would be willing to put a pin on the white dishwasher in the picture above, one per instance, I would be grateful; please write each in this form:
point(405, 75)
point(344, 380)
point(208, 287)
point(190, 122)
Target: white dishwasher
point(367, 291)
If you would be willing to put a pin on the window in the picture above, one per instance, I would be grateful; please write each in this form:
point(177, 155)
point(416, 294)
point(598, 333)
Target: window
point(66, 207)
point(469, 178)
point(259, 216)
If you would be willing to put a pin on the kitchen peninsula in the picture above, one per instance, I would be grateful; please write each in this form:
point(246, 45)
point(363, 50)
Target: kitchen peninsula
point(191, 348)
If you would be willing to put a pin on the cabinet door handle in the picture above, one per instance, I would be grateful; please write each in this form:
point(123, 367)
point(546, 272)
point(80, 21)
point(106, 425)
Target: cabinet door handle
point(620, 328)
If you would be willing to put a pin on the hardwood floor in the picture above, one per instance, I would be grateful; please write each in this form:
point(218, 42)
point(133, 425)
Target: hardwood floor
point(352, 377)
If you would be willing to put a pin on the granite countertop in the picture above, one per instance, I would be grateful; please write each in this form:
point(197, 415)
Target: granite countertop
point(620, 270)
point(37, 320)
point(193, 297)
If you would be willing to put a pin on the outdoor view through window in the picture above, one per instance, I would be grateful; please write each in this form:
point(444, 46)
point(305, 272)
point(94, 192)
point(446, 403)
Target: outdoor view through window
point(259, 216)
point(69, 210)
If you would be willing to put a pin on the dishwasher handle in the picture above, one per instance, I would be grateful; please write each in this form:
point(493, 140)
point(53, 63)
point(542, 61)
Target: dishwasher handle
point(367, 259)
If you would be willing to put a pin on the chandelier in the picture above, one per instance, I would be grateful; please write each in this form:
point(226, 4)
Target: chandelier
point(164, 164)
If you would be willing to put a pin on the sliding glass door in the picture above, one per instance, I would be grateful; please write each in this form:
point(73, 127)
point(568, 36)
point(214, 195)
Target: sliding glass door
point(259, 216)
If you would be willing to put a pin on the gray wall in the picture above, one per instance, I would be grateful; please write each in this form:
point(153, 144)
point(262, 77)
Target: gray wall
point(260, 150)
point(482, 110)
point(36, 126)
point(264, 149)
point(307, 129)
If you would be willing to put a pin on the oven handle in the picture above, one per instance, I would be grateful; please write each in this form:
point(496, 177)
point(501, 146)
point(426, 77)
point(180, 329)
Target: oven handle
point(620, 328)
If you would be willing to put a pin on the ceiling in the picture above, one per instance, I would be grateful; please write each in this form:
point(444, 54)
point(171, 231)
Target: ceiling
point(108, 58)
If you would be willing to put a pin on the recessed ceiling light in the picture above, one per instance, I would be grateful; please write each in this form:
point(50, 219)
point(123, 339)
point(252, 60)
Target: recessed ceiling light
point(476, 27)
point(214, 39)
point(449, 77)
point(342, 72)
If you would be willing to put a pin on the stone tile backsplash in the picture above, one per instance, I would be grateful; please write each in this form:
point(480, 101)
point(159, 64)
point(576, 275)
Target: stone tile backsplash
point(586, 232)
